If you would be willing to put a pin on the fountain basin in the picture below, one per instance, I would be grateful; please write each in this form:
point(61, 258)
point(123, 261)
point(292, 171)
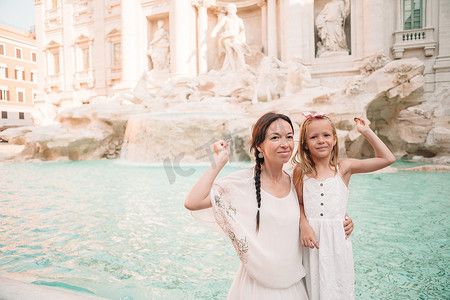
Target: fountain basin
point(184, 136)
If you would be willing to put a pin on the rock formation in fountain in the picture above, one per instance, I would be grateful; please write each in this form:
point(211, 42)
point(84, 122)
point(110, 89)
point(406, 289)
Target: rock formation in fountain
point(169, 119)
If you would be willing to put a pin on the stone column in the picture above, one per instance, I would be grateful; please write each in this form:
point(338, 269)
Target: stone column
point(98, 58)
point(399, 24)
point(202, 29)
point(263, 6)
point(66, 62)
point(442, 65)
point(41, 53)
point(130, 44)
point(297, 33)
point(272, 44)
point(183, 60)
point(428, 11)
point(374, 29)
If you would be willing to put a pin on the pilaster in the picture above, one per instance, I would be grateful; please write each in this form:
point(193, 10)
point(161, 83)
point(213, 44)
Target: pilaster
point(130, 36)
point(299, 30)
point(374, 33)
point(202, 29)
point(183, 60)
point(272, 45)
point(41, 52)
point(263, 5)
point(442, 65)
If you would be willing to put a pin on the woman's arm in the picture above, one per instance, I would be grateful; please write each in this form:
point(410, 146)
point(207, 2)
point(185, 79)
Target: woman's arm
point(348, 226)
point(198, 197)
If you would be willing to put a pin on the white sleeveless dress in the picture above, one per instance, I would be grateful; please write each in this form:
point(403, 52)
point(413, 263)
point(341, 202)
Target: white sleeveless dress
point(329, 269)
point(271, 260)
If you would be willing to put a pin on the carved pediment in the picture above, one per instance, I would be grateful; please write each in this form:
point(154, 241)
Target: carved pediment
point(53, 45)
point(113, 33)
point(82, 39)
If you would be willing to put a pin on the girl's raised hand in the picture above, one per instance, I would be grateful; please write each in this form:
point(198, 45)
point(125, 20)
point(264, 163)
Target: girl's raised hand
point(361, 125)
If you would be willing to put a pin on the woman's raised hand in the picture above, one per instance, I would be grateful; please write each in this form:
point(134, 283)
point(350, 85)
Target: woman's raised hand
point(198, 197)
point(221, 148)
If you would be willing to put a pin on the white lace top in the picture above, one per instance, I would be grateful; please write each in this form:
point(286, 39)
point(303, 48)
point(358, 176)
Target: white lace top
point(273, 256)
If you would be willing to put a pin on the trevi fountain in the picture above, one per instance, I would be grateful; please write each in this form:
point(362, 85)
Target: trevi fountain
point(168, 114)
point(92, 194)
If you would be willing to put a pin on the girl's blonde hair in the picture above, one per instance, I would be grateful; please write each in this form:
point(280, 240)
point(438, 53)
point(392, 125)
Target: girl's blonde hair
point(302, 159)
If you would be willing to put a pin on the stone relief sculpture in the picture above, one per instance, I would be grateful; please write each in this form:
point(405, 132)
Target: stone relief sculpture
point(232, 41)
point(275, 79)
point(330, 28)
point(270, 79)
point(159, 48)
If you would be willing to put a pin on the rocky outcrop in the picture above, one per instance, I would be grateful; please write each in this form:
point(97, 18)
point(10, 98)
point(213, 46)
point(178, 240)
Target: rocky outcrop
point(169, 117)
point(86, 132)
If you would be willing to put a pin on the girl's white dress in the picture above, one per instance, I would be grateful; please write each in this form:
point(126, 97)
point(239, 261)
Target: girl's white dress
point(329, 269)
point(271, 260)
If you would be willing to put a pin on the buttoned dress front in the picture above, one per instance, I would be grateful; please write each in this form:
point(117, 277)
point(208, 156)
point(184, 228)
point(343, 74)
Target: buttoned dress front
point(329, 269)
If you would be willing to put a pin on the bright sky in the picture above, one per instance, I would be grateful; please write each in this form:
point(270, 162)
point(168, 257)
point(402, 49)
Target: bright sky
point(17, 13)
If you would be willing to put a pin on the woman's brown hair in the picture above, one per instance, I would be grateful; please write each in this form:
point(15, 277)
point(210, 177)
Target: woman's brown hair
point(258, 136)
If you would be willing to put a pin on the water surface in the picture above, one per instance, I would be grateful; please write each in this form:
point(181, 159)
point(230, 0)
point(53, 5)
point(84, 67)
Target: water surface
point(121, 232)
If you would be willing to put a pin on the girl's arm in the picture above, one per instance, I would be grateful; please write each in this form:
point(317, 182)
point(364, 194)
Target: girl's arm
point(198, 197)
point(307, 234)
point(384, 156)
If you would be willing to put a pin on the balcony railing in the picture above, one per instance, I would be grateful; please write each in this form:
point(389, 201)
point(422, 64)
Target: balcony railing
point(110, 4)
point(53, 17)
point(414, 39)
point(113, 73)
point(54, 81)
point(84, 77)
point(82, 12)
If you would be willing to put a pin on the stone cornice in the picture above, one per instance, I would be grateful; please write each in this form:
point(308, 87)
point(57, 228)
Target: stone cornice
point(203, 3)
point(239, 3)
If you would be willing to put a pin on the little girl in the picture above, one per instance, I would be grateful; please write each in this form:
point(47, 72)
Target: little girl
point(321, 182)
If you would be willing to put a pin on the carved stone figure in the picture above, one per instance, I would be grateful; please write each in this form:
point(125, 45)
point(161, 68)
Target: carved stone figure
point(270, 79)
point(330, 28)
point(158, 48)
point(232, 41)
point(296, 75)
point(275, 79)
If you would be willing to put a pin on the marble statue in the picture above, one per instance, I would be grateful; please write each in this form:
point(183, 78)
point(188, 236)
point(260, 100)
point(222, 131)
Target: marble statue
point(158, 48)
point(330, 28)
point(270, 79)
point(276, 79)
point(232, 41)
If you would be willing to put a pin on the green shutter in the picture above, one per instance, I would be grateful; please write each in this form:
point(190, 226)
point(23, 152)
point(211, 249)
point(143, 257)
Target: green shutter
point(412, 14)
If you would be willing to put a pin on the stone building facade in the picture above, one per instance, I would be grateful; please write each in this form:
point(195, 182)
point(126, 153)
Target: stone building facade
point(18, 76)
point(92, 48)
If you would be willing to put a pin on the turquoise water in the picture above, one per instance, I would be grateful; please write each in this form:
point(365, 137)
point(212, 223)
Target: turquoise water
point(122, 232)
